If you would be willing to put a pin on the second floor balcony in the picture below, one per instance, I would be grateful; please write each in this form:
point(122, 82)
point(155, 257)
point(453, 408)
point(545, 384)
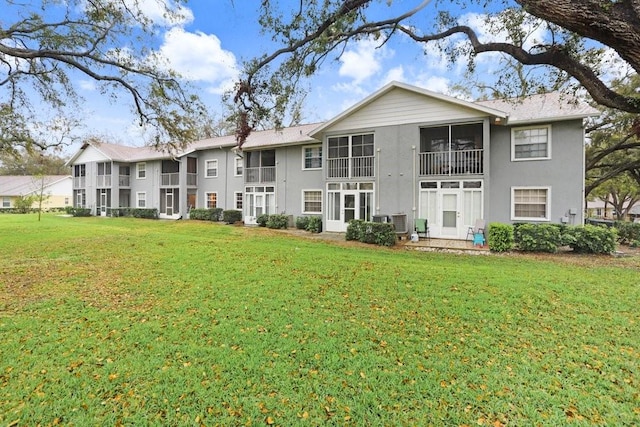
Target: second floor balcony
point(445, 163)
point(170, 179)
point(124, 181)
point(351, 167)
point(260, 174)
point(103, 181)
point(79, 181)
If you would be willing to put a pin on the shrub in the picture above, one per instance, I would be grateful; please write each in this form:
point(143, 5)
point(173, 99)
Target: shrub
point(278, 221)
point(500, 237)
point(593, 239)
point(22, 204)
point(314, 225)
point(214, 214)
point(144, 213)
point(537, 237)
point(262, 220)
point(231, 216)
point(628, 231)
point(302, 222)
point(81, 212)
point(382, 234)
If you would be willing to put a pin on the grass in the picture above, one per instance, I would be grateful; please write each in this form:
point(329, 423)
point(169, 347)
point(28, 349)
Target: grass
point(137, 322)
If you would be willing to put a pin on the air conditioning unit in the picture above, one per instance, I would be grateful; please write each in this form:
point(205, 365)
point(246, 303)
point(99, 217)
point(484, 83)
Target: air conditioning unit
point(381, 218)
point(400, 223)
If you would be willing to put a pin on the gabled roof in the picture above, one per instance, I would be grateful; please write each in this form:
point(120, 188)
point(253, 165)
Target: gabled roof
point(417, 90)
point(121, 153)
point(546, 107)
point(21, 185)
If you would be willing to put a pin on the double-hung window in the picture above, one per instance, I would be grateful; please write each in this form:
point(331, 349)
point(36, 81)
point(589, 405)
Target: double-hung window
point(212, 200)
point(530, 203)
point(141, 198)
point(237, 171)
point(312, 201)
point(142, 170)
point(531, 143)
point(312, 157)
point(238, 196)
point(211, 168)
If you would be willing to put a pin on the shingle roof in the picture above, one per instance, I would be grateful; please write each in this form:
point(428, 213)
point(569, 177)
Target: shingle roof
point(551, 106)
point(21, 185)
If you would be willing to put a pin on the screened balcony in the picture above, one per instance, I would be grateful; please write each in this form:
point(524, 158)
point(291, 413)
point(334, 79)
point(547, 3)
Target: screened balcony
point(451, 150)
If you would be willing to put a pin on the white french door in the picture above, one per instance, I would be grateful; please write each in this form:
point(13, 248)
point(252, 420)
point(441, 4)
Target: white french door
point(450, 214)
point(348, 201)
point(258, 200)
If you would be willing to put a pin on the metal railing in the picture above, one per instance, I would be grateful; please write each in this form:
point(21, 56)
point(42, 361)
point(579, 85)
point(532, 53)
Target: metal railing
point(351, 167)
point(170, 179)
point(79, 181)
point(464, 162)
point(103, 181)
point(263, 174)
point(192, 179)
point(124, 181)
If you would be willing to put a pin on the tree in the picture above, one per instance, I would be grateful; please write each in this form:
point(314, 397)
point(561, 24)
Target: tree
point(39, 194)
point(102, 40)
point(577, 36)
point(622, 192)
point(33, 162)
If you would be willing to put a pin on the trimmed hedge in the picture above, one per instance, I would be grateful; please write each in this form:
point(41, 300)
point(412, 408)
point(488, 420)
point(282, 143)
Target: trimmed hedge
point(592, 239)
point(383, 234)
point(134, 212)
point(214, 214)
point(500, 237)
point(278, 221)
point(628, 232)
point(314, 225)
point(262, 220)
point(538, 237)
point(231, 216)
point(302, 222)
point(80, 212)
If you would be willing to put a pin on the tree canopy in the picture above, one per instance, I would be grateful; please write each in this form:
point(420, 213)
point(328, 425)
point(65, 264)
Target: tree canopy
point(105, 41)
point(571, 43)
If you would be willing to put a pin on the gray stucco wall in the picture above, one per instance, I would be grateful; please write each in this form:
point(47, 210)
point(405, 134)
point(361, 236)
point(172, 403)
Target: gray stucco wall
point(563, 173)
point(292, 179)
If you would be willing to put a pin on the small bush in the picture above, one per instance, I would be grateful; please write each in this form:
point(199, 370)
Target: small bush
point(628, 231)
point(382, 234)
point(593, 239)
point(278, 221)
point(537, 237)
point(144, 213)
point(214, 214)
point(302, 222)
point(500, 237)
point(231, 216)
point(262, 220)
point(81, 212)
point(314, 225)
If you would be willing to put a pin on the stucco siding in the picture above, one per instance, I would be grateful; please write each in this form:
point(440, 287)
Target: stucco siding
point(292, 180)
point(562, 174)
point(399, 107)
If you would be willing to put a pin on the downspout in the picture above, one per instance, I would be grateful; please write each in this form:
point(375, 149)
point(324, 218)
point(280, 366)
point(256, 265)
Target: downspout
point(414, 183)
point(377, 181)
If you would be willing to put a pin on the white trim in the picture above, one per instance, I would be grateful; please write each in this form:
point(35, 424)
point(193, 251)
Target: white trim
point(144, 169)
point(206, 168)
point(235, 200)
point(304, 192)
point(304, 157)
point(525, 159)
point(547, 216)
point(235, 166)
point(206, 199)
point(143, 199)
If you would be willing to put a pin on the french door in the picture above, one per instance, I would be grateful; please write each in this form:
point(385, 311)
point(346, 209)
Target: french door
point(347, 201)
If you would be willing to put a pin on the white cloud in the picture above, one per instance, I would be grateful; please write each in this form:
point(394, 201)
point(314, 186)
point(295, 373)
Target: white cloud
point(433, 83)
point(394, 74)
point(156, 10)
point(88, 85)
point(200, 57)
point(364, 60)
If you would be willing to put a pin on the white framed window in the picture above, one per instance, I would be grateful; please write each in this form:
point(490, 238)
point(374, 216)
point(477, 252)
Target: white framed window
point(311, 201)
point(141, 170)
point(237, 170)
point(211, 168)
point(66, 201)
point(312, 157)
point(212, 200)
point(238, 198)
point(531, 143)
point(6, 202)
point(530, 203)
point(141, 199)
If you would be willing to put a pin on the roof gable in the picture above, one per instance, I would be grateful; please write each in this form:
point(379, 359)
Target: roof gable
point(399, 103)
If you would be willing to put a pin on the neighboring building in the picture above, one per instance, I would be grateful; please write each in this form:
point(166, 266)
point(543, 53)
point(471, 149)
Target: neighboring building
point(56, 189)
point(402, 153)
point(598, 209)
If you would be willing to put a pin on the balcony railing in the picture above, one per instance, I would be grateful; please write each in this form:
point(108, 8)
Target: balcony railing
point(263, 174)
point(79, 181)
point(351, 167)
point(124, 181)
point(103, 181)
point(170, 179)
point(464, 162)
point(192, 179)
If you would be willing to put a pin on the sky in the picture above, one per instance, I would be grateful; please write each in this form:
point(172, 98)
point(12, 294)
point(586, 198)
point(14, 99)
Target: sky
point(209, 46)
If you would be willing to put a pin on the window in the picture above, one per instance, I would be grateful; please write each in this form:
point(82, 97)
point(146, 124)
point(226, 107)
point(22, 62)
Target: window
point(66, 201)
point(79, 170)
point(237, 171)
point(350, 156)
point(530, 203)
point(312, 157)
point(6, 202)
point(211, 168)
point(80, 198)
point(142, 170)
point(212, 200)
point(238, 199)
point(312, 201)
point(141, 198)
point(532, 143)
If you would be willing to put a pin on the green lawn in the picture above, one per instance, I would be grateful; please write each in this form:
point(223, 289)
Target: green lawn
point(138, 322)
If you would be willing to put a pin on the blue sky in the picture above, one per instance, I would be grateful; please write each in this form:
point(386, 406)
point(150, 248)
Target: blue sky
point(209, 47)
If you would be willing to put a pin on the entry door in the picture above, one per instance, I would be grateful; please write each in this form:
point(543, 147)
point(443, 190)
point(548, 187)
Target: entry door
point(349, 211)
point(169, 202)
point(450, 214)
point(103, 203)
